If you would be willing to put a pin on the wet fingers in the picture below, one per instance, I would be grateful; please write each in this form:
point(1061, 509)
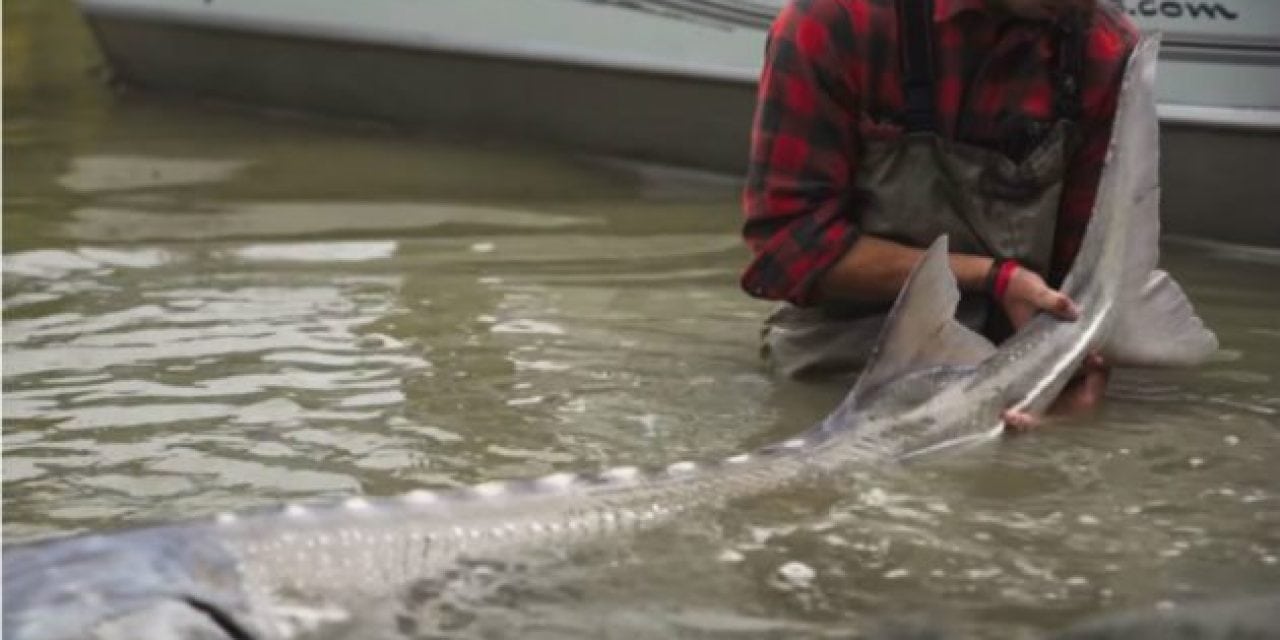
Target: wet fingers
point(1019, 421)
point(1060, 305)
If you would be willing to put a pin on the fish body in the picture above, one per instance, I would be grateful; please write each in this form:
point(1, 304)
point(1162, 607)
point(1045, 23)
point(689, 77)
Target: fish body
point(931, 383)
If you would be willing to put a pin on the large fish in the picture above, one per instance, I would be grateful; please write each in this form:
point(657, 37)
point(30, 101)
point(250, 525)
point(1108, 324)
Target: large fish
point(931, 383)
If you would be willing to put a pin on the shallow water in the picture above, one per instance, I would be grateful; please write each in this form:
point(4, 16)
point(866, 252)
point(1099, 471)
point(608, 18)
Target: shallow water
point(209, 309)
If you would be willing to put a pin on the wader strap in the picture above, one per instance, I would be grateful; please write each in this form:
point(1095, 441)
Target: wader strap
point(1070, 64)
point(915, 20)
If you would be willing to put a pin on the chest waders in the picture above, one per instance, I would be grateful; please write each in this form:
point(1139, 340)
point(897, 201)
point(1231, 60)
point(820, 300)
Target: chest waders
point(918, 185)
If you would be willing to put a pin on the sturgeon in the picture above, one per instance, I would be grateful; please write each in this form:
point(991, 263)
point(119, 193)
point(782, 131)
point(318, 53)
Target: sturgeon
point(931, 383)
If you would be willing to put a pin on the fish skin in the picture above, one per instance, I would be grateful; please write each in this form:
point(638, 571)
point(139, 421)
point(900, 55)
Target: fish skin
point(232, 576)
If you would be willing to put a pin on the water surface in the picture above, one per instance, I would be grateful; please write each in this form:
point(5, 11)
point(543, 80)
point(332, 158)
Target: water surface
point(208, 309)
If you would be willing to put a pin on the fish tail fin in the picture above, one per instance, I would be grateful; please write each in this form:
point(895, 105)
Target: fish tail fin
point(1155, 324)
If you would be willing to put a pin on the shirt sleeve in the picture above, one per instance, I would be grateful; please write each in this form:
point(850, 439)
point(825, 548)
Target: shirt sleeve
point(798, 201)
point(1107, 52)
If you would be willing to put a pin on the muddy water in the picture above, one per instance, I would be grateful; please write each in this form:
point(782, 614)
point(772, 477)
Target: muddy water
point(208, 309)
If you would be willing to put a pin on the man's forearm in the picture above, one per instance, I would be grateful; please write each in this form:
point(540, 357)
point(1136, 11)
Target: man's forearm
point(874, 270)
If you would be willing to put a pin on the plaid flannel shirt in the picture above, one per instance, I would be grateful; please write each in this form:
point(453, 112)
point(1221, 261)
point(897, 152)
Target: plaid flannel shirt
point(832, 75)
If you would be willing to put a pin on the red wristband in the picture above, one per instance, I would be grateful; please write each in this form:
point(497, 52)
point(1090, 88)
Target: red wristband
point(1003, 276)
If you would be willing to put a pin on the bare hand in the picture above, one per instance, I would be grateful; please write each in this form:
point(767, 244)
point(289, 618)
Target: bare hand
point(1028, 294)
point(1082, 395)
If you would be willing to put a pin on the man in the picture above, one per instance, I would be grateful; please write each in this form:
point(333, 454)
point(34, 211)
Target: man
point(882, 124)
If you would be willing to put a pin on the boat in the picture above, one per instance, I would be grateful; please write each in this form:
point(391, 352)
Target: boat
point(666, 81)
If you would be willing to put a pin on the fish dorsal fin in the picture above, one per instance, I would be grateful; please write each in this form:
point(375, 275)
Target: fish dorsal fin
point(921, 330)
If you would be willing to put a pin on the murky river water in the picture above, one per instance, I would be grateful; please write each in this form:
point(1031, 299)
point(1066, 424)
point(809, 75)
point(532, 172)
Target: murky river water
point(206, 309)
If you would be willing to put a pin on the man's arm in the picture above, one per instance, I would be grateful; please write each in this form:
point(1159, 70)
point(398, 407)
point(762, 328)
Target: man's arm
point(875, 270)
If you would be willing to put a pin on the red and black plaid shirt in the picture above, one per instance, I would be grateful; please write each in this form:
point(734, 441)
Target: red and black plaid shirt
point(832, 74)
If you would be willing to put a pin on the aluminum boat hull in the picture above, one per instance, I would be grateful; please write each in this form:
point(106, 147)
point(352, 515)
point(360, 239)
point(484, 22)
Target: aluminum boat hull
point(674, 85)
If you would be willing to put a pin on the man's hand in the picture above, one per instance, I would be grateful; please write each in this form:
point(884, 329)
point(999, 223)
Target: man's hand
point(1027, 293)
point(1084, 392)
point(1082, 395)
